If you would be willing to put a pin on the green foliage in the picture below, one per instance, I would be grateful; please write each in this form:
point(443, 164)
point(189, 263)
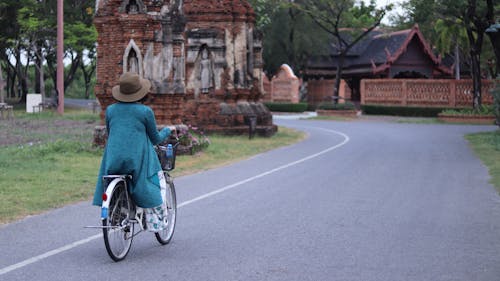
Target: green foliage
point(450, 32)
point(444, 23)
point(292, 38)
point(332, 15)
point(286, 107)
point(401, 110)
point(79, 37)
point(77, 89)
point(29, 29)
point(481, 110)
point(336, 106)
point(193, 138)
point(264, 11)
point(421, 12)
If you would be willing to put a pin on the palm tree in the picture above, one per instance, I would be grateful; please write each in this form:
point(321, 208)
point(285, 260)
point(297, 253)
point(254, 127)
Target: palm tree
point(451, 34)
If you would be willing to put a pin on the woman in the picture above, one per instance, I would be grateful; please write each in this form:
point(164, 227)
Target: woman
point(132, 132)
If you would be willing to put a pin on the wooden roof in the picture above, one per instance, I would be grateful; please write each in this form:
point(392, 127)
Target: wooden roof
point(375, 54)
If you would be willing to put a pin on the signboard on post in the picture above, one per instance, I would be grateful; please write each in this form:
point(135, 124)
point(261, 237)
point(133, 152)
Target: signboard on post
point(252, 126)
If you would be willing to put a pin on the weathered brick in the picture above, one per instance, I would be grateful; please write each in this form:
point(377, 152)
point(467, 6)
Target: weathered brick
point(223, 21)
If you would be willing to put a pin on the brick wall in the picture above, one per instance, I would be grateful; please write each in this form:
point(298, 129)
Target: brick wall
point(321, 90)
point(155, 29)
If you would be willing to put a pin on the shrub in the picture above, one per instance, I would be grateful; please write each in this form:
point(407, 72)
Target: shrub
point(402, 110)
point(193, 139)
point(482, 110)
point(338, 106)
point(286, 107)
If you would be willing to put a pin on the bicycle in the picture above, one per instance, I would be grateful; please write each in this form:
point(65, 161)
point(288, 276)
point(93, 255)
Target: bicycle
point(120, 215)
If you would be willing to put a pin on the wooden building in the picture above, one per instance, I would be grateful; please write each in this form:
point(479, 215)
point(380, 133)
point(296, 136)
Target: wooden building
point(400, 54)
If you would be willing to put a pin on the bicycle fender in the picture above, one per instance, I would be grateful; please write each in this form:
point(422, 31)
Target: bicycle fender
point(109, 191)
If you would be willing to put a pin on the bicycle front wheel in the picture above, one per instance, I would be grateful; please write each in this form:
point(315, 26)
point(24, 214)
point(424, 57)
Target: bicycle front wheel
point(118, 230)
point(165, 236)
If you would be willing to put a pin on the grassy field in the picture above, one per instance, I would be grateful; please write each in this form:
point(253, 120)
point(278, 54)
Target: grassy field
point(487, 148)
point(48, 161)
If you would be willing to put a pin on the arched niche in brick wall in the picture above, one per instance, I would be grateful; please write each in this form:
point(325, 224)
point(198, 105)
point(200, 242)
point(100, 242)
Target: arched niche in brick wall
point(132, 59)
point(132, 7)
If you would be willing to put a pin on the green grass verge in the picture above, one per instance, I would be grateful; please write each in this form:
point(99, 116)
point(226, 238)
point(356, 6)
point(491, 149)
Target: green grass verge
point(487, 148)
point(35, 178)
point(227, 149)
point(55, 170)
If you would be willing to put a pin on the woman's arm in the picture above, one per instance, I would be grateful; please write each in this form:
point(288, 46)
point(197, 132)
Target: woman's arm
point(153, 134)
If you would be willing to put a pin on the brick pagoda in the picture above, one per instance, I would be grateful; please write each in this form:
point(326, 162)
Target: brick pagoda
point(203, 58)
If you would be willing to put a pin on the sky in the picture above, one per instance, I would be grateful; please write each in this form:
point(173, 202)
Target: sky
point(396, 10)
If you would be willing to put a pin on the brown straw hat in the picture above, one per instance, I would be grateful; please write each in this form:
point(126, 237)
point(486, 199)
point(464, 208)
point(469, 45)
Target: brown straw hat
point(131, 88)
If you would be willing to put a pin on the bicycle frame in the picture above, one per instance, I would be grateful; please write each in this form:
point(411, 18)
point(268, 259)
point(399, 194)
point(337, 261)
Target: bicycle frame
point(118, 223)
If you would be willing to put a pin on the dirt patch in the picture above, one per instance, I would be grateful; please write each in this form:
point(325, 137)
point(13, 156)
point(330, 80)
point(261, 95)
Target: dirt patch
point(20, 131)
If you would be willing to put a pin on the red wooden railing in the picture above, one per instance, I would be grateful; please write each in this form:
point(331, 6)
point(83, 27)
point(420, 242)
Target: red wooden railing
point(422, 93)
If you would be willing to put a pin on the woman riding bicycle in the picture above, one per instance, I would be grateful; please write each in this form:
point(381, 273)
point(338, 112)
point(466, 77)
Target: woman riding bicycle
point(132, 132)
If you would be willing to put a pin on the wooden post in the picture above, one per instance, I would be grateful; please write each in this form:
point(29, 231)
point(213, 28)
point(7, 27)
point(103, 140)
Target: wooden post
point(453, 93)
point(404, 88)
point(2, 84)
point(362, 90)
point(60, 57)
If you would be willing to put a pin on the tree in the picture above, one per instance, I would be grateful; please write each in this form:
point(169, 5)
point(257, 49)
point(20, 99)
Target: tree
point(264, 11)
point(348, 22)
point(36, 33)
point(28, 36)
point(451, 35)
point(476, 18)
point(418, 11)
point(494, 35)
point(11, 47)
point(291, 38)
point(80, 40)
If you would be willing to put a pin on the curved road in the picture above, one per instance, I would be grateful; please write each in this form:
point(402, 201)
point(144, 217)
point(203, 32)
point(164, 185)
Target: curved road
point(359, 200)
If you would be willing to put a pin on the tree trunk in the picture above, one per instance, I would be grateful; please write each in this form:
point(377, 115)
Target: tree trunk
point(495, 41)
point(2, 84)
point(338, 77)
point(476, 79)
point(87, 75)
point(22, 87)
point(75, 64)
point(42, 80)
point(37, 77)
point(476, 42)
point(457, 62)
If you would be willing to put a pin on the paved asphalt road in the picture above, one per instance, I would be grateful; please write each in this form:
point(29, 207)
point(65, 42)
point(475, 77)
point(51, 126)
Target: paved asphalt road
point(362, 200)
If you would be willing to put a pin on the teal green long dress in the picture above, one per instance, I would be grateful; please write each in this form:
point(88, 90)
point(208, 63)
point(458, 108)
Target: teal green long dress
point(129, 149)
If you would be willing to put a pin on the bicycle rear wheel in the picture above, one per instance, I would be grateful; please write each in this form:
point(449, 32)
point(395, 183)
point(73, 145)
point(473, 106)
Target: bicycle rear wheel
point(165, 236)
point(118, 230)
